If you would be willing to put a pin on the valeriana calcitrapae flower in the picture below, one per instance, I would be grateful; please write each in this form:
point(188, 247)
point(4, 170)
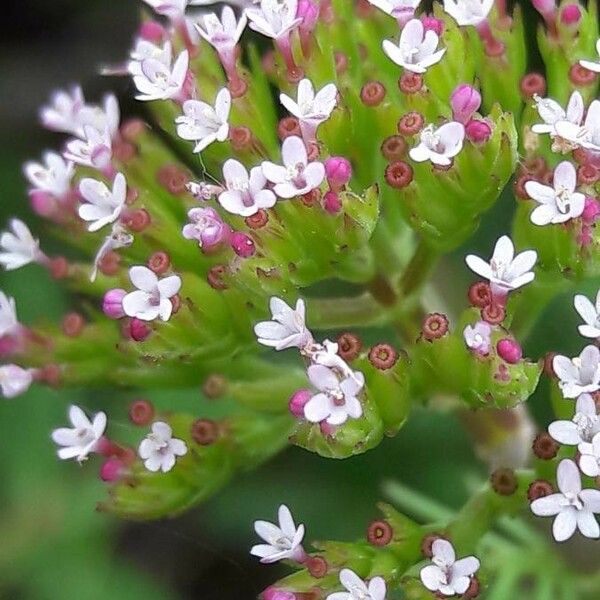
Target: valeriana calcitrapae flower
point(159, 449)
point(402, 10)
point(478, 337)
point(152, 299)
point(416, 50)
point(62, 114)
point(174, 9)
point(468, 12)
point(283, 541)
point(439, 145)
point(14, 380)
point(311, 109)
point(586, 135)
point(18, 247)
point(560, 202)
point(447, 575)
point(93, 149)
point(579, 375)
point(589, 457)
point(245, 193)
point(203, 123)
point(572, 507)
point(297, 176)
point(287, 329)
point(584, 425)
point(505, 271)
point(156, 80)
point(551, 113)
point(357, 589)
point(592, 65)
point(337, 400)
point(102, 205)
point(274, 18)
point(206, 227)
point(83, 438)
point(53, 177)
point(590, 313)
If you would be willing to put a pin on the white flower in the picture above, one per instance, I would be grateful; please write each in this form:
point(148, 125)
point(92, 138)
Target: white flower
point(417, 49)
point(174, 9)
point(119, 238)
point(505, 271)
point(18, 247)
point(145, 50)
point(579, 375)
point(439, 145)
point(53, 177)
point(478, 337)
point(559, 203)
point(468, 12)
point(551, 112)
point(283, 542)
point(337, 400)
point(358, 589)
point(274, 18)
point(159, 450)
point(83, 438)
point(448, 575)
point(589, 459)
point(400, 9)
point(93, 150)
point(297, 176)
point(157, 81)
point(244, 194)
point(14, 380)
point(287, 329)
point(8, 315)
point(100, 118)
point(102, 206)
point(224, 33)
point(574, 508)
point(590, 65)
point(62, 112)
point(582, 428)
point(311, 109)
point(590, 314)
point(152, 298)
point(326, 354)
point(203, 124)
point(583, 136)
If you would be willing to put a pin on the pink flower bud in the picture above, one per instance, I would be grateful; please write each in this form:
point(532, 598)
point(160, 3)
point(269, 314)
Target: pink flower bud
point(275, 594)
point(308, 11)
point(478, 131)
point(570, 14)
point(433, 24)
point(152, 31)
point(591, 210)
point(339, 171)
point(332, 203)
point(242, 244)
point(112, 305)
point(112, 470)
point(139, 330)
point(465, 102)
point(297, 401)
point(207, 227)
point(509, 350)
point(42, 203)
point(544, 7)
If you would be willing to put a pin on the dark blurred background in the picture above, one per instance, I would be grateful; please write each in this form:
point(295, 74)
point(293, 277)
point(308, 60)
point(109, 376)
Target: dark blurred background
point(53, 544)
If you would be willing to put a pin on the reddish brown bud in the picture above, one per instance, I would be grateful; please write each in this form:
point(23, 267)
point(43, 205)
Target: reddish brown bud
point(311, 198)
point(159, 262)
point(173, 179)
point(398, 174)
point(241, 138)
point(494, 48)
point(349, 346)
point(411, 123)
point(287, 127)
point(317, 566)
point(175, 303)
point(341, 62)
point(473, 589)
point(581, 76)
point(545, 447)
point(141, 412)
point(548, 367)
point(539, 489)
point(435, 326)
point(132, 129)
point(137, 220)
point(480, 294)
point(73, 324)
point(258, 219)
point(532, 84)
point(58, 267)
point(380, 533)
point(372, 93)
point(536, 166)
point(383, 356)
point(124, 151)
point(520, 190)
point(504, 482)
point(493, 313)
point(394, 148)
point(216, 277)
point(588, 174)
point(214, 386)
point(109, 264)
point(50, 375)
point(410, 83)
point(205, 432)
point(427, 543)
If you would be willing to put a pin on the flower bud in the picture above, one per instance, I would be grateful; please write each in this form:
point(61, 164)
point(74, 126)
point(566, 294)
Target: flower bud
point(139, 330)
point(591, 210)
point(398, 174)
point(308, 11)
point(339, 171)
point(465, 102)
point(141, 412)
point(509, 350)
point(42, 203)
point(372, 93)
point(380, 533)
point(504, 481)
point(112, 470)
point(383, 356)
point(433, 24)
point(349, 346)
point(545, 447)
point(112, 305)
point(570, 14)
point(539, 489)
point(242, 244)
point(317, 567)
point(275, 594)
point(332, 203)
point(207, 227)
point(152, 31)
point(544, 7)
point(205, 432)
point(297, 402)
point(478, 131)
point(159, 262)
point(532, 84)
point(581, 76)
point(435, 326)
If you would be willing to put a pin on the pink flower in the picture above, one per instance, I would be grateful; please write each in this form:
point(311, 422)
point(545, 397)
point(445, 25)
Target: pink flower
point(207, 227)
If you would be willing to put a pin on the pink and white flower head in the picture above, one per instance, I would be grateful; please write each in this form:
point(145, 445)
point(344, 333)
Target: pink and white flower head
point(9, 324)
point(337, 399)
point(590, 314)
point(203, 123)
point(592, 65)
point(585, 136)
point(283, 541)
point(584, 425)
point(159, 449)
point(357, 589)
point(62, 114)
point(174, 9)
point(14, 380)
point(297, 176)
point(402, 10)
point(157, 81)
point(551, 113)
point(505, 271)
point(440, 145)
point(18, 247)
point(589, 457)
point(468, 12)
point(223, 34)
point(152, 298)
point(83, 438)
point(478, 337)
point(287, 329)
point(417, 49)
point(206, 227)
point(447, 575)
point(560, 202)
point(53, 177)
point(579, 375)
point(309, 108)
point(274, 18)
point(244, 193)
point(93, 150)
point(102, 205)
point(573, 508)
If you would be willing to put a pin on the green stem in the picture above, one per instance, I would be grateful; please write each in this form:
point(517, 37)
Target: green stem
point(417, 270)
point(337, 313)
